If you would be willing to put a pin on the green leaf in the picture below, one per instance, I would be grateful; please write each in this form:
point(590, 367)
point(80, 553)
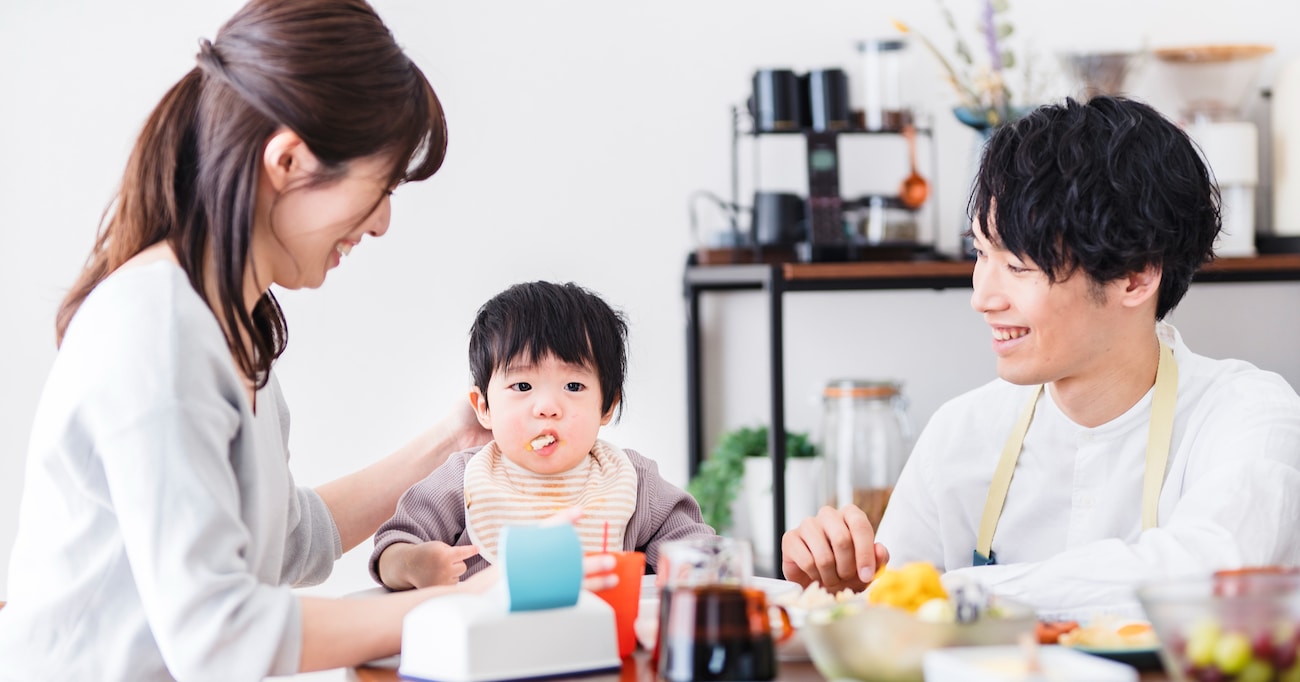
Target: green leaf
point(1000, 6)
point(718, 482)
point(1004, 31)
point(1008, 59)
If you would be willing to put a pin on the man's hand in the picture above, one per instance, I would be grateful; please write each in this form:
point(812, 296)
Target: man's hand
point(836, 548)
point(403, 566)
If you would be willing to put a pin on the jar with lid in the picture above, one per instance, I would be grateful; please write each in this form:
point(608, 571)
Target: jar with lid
point(865, 438)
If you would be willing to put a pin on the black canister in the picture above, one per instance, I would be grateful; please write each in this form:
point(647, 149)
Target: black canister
point(775, 103)
point(778, 218)
point(826, 92)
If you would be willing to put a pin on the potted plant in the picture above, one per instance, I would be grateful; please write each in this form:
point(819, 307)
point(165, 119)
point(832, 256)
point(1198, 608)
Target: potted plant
point(736, 480)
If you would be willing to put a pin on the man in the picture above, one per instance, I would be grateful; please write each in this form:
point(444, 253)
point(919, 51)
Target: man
point(1106, 453)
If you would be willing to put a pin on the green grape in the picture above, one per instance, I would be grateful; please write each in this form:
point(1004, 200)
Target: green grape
point(1291, 674)
point(1232, 653)
point(1201, 640)
point(1256, 671)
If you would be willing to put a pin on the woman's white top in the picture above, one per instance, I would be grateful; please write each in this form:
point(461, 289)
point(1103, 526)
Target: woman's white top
point(160, 529)
point(1070, 540)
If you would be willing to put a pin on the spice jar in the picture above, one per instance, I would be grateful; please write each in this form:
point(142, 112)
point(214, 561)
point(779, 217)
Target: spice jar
point(865, 439)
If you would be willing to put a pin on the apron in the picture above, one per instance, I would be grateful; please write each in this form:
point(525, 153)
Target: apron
point(1159, 434)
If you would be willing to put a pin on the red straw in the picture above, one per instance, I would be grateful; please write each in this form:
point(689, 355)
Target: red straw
point(604, 539)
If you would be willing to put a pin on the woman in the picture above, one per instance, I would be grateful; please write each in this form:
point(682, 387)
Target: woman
point(160, 528)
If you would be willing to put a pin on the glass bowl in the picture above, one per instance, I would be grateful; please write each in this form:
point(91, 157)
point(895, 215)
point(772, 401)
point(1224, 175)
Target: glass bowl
point(1238, 626)
point(885, 644)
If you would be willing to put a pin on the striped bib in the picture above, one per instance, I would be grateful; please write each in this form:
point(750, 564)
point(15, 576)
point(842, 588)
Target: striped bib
point(500, 493)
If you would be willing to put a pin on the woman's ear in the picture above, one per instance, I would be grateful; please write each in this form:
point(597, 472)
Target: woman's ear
point(478, 401)
point(286, 159)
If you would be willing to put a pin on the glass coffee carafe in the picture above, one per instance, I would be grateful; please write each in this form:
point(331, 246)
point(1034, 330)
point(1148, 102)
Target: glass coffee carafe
point(714, 625)
point(865, 438)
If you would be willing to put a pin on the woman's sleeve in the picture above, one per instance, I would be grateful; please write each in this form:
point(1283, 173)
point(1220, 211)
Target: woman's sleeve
point(177, 500)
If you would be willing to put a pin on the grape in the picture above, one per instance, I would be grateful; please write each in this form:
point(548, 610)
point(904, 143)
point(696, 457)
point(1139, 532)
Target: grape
point(1262, 646)
point(1232, 653)
point(1255, 671)
point(1201, 641)
point(1207, 675)
point(1284, 654)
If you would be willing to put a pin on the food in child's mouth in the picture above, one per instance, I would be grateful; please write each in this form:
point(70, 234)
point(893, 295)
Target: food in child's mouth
point(540, 442)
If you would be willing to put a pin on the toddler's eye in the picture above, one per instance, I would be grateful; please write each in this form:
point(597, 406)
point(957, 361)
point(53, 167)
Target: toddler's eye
point(521, 386)
point(574, 386)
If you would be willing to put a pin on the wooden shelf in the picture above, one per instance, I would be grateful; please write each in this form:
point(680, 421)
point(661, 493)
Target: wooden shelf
point(778, 279)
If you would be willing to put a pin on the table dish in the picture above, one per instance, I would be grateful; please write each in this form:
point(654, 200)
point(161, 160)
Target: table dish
point(1227, 628)
point(886, 644)
point(1142, 658)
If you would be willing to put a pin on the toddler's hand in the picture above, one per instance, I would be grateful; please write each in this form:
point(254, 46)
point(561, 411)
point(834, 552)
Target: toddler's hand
point(437, 563)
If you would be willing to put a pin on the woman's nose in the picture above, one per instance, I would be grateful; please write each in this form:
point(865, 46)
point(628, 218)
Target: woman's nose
point(383, 214)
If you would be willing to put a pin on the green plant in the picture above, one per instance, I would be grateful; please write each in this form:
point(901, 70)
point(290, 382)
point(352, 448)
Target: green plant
point(718, 482)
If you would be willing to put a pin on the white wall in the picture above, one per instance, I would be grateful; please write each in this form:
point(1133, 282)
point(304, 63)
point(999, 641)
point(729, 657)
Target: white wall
point(578, 130)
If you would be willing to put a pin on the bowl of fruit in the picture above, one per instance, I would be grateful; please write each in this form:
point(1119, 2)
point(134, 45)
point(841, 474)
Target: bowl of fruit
point(1235, 626)
point(884, 634)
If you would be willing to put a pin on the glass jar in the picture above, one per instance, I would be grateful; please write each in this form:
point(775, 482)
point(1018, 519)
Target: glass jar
point(882, 83)
point(865, 437)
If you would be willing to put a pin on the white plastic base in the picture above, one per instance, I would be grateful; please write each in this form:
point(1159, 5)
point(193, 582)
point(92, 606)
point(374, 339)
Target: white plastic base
point(471, 638)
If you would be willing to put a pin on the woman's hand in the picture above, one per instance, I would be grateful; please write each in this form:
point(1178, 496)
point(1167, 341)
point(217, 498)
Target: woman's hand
point(404, 565)
point(460, 427)
point(597, 569)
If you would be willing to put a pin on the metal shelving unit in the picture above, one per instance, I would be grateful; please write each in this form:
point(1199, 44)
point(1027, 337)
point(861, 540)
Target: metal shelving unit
point(778, 279)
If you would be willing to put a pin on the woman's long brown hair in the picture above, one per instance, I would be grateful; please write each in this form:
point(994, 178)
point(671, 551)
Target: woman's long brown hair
point(330, 71)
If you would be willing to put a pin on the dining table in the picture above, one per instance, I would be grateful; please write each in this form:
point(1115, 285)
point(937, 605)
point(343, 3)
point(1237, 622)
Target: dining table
point(637, 668)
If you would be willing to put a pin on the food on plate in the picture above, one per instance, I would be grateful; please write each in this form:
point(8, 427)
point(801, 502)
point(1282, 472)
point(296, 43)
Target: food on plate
point(815, 596)
point(908, 587)
point(1049, 632)
point(1111, 633)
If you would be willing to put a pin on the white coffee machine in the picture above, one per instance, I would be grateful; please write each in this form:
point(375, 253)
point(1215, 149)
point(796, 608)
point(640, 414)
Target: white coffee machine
point(1214, 82)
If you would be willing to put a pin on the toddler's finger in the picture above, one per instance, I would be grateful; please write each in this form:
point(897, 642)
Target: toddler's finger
point(463, 552)
point(563, 516)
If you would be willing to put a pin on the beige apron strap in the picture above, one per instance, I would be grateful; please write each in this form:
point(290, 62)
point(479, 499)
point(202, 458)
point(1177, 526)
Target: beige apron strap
point(1159, 434)
point(1002, 476)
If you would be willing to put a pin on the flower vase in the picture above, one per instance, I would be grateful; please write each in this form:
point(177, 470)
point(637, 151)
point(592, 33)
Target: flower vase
point(803, 477)
point(984, 121)
point(978, 143)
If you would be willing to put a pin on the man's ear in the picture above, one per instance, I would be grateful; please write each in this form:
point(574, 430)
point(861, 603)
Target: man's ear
point(1142, 286)
point(609, 414)
point(478, 401)
point(286, 159)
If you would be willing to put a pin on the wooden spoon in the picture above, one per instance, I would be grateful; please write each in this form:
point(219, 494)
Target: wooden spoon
point(915, 189)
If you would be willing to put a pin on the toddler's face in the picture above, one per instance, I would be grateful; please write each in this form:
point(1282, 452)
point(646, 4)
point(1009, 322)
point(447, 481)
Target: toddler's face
point(544, 416)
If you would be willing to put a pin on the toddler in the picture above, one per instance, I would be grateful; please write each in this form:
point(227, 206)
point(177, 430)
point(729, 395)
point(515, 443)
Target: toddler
point(548, 362)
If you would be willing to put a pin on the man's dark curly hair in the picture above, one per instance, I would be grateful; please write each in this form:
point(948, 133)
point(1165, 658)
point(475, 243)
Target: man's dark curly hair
point(1108, 187)
point(531, 320)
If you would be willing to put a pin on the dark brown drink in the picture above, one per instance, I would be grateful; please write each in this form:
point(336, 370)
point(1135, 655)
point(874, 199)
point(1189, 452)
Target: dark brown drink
point(714, 632)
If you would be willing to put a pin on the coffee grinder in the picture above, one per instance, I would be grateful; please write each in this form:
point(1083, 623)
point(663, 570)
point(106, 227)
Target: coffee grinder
point(1214, 82)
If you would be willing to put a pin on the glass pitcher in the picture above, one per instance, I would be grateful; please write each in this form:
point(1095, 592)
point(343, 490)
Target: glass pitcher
point(865, 437)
